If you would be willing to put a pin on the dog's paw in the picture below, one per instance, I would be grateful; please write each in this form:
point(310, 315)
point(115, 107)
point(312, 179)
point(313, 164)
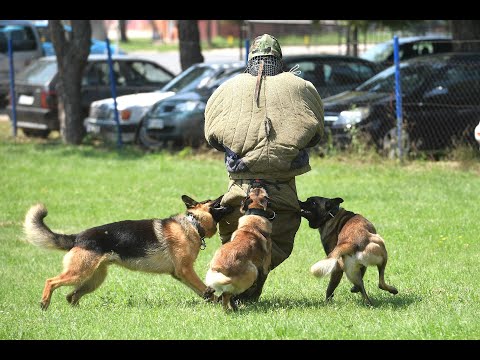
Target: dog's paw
point(355, 289)
point(44, 305)
point(209, 294)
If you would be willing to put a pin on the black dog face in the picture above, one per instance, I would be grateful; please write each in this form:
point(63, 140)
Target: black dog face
point(218, 211)
point(316, 210)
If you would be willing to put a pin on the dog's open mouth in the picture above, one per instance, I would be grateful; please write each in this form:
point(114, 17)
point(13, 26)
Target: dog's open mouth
point(305, 213)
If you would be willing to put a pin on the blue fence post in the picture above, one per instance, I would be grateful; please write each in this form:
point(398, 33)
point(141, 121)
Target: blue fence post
point(398, 95)
point(113, 88)
point(247, 47)
point(12, 86)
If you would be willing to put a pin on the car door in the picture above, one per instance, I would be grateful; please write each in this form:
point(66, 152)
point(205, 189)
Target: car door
point(144, 76)
point(449, 110)
point(343, 75)
point(310, 70)
point(96, 82)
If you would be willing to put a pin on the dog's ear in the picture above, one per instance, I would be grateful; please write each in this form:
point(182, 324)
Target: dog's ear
point(332, 203)
point(265, 202)
point(217, 201)
point(245, 204)
point(188, 201)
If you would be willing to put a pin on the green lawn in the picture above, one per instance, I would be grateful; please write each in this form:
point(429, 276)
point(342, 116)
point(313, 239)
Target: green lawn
point(426, 211)
point(327, 38)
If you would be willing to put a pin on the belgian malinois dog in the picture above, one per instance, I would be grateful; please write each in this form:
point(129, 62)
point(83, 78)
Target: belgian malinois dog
point(236, 265)
point(163, 246)
point(351, 243)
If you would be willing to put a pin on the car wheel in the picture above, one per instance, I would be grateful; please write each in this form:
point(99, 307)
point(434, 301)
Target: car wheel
point(145, 140)
point(36, 133)
point(390, 144)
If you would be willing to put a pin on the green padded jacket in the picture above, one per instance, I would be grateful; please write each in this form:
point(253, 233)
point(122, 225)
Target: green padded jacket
point(268, 139)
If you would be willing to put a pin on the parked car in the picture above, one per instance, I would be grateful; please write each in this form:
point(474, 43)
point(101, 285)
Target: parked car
point(331, 74)
point(26, 46)
point(180, 118)
point(36, 87)
point(440, 102)
point(409, 47)
point(97, 46)
point(132, 108)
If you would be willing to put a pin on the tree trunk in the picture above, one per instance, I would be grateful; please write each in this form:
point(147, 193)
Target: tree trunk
point(355, 40)
point(209, 33)
point(72, 57)
point(348, 40)
point(189, 42)
point(122, 24)
point(467, 35)
point(98, 29)
point(155, 33)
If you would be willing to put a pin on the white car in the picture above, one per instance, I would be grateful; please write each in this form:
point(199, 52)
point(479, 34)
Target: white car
point(477, 133)
point(132, 108)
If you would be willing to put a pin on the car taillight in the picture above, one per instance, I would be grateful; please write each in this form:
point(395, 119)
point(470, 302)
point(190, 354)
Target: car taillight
point(48, 99)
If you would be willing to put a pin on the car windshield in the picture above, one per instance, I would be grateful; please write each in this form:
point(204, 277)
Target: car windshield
point(412, 78)
point(190, 79)
point(39, 72)
point(23, 38)
point(378, 53)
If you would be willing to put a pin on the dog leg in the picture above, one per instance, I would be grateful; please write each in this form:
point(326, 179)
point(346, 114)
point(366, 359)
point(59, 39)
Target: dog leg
point(79, 265)
point(335, 278)
point(354, 274)
point(228, 302)
point(188, 276)
point(381, 280)
point(88, 286)
point(355, 288)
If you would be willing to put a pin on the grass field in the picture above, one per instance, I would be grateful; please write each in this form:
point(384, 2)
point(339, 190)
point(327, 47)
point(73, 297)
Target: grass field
point(426, 211)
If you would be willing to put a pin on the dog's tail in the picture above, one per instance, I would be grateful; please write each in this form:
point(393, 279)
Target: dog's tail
point(326, 266)
point(218, 281)
point(39, 234)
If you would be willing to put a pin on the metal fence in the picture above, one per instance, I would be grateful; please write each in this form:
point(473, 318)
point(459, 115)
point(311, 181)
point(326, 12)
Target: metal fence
point(440, 108)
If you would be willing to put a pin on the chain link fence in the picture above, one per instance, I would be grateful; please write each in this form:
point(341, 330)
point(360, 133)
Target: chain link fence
point(440, 97)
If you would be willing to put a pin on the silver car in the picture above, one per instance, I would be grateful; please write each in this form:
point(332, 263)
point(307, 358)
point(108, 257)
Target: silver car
point(26, 46)
point(131, 109)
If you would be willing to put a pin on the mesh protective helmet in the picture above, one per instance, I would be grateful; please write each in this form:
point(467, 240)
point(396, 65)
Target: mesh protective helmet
point(265, 45)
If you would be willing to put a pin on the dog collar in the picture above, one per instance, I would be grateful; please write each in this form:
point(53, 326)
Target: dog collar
point(260, 212)
point(334, 212)
point(199, 228)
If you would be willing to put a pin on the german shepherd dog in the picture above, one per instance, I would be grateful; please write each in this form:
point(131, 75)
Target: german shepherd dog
point(236, 265)
point(162, 246)
point(351, 243)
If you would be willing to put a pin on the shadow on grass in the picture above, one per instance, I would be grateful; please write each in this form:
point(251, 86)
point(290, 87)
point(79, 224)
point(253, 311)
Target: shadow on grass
point(399, 301)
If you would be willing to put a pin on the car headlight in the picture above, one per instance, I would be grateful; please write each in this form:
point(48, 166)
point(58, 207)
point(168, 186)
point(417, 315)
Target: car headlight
point(348, 118)
point(185, 106)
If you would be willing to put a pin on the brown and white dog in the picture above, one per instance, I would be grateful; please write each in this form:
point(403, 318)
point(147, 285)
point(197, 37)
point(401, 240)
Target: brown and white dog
point(350, 241)
point(236, 265)
point(163, 246)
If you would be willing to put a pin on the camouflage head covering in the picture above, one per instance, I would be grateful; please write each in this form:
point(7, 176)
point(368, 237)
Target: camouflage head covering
point(265, 45)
